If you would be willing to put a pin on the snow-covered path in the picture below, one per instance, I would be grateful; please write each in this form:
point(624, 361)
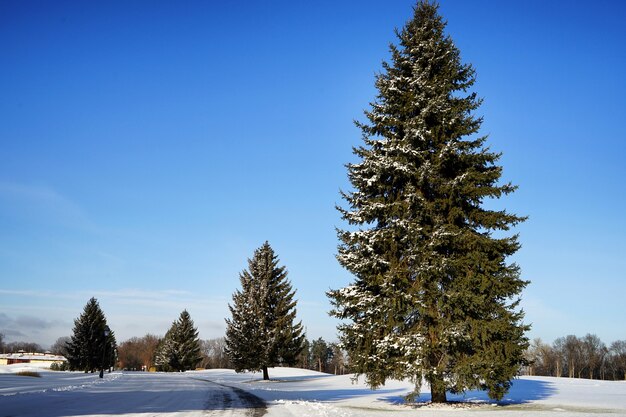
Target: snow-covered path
point(130, 394)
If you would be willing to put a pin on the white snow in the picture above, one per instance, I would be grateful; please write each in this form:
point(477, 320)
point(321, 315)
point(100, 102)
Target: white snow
point(291, 392)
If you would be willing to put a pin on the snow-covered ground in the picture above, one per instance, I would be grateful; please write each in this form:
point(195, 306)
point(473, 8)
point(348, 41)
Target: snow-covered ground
point(292, 392)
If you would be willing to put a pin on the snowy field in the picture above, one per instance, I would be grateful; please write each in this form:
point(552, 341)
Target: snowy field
point(292, 392)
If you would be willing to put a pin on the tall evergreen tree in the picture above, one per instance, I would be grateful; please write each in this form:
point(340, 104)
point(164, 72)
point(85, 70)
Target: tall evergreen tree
point(433, 296)
point(180, 348)
point(92, 346)
point(261, 332)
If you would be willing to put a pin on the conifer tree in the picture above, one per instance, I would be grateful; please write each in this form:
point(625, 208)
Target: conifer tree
point(261, 332)
point(90, 347)
point(433, 297)
point(180, 348)
point(110, 350)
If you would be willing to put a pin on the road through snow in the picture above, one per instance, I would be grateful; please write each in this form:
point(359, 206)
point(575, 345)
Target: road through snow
point(128, 394)
point(225, 400)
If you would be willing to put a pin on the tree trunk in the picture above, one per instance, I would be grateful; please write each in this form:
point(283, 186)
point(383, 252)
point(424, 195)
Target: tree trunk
point(266, 375)
point(438, 390)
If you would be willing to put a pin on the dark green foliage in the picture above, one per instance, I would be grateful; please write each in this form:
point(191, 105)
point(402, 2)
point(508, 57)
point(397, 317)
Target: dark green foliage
point(110, 351)
point(433, 295)
point(304, 357)
point(321, 354)
point(59, 366)
point(179, 350)
point(89, 348)
point(261, 332)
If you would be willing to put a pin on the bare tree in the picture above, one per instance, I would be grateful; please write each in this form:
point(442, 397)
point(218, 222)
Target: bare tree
point(558, 348)
point(128, 354)
point(572, 352)
point(593, 351)
point(60, 346)
point(30, 347)
point(543, 359)
point(138, 353)
point(586, 357)
point(214, 354)
point(618, 356)
point(532, 357)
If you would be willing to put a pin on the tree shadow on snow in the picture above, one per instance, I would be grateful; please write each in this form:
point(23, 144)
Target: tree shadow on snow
point(333, 394)
point(298, 378)
point(522, 391)
point(272, 389)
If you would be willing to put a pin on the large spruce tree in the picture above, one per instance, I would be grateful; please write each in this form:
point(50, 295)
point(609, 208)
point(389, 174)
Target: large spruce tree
point(92, 345)
point(434, 297)
point(262, 332)
point(179, 350)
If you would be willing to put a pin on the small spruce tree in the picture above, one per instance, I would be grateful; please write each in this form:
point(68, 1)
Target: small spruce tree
point(261, 332)
point(434, 297)
point(179, 350)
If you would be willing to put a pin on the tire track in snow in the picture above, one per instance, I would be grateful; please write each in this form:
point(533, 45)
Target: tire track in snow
point(226, 400)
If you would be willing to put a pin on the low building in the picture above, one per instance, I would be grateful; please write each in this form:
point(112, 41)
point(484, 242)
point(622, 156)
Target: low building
point(38, 359)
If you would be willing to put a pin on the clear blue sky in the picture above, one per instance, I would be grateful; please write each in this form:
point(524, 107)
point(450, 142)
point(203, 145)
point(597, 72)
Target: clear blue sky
point(147, 148)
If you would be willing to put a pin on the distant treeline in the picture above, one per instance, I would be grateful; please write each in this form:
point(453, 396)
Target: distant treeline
point(578, 357)
point(321, 356)
point(138, 354)
point(30, 347)
point(14, 347)
point(569, 356)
